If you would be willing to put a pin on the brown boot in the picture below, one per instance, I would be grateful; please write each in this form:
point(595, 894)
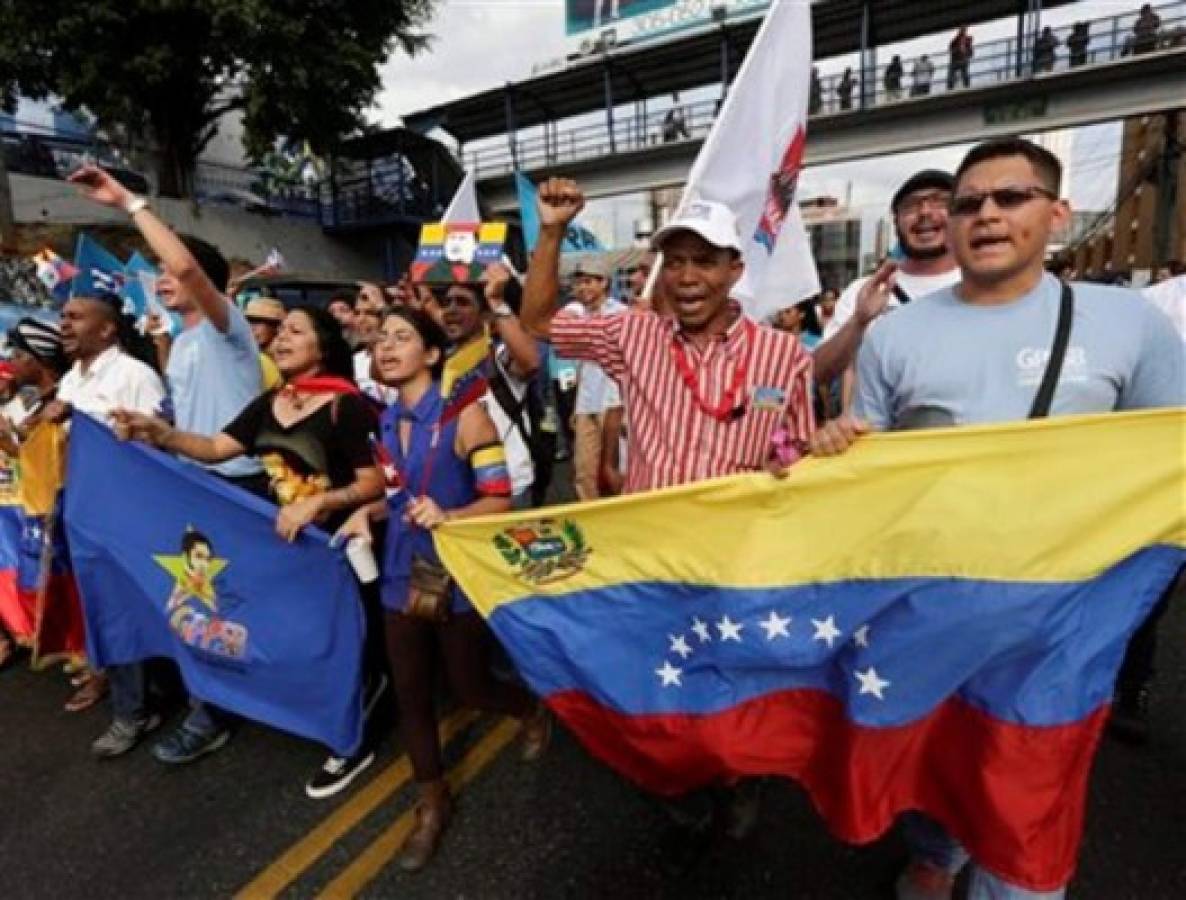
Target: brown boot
point(537, 733)
point(433, 811)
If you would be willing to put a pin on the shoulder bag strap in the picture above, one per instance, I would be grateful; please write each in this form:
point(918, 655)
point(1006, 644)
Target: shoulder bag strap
point(1062, 337)
point(512, 406)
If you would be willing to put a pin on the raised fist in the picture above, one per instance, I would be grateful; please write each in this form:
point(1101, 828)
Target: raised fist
point(560, 200)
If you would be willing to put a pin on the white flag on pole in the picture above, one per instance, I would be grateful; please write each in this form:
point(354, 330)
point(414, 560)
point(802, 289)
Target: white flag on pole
point(464, 205)
point(752, 157)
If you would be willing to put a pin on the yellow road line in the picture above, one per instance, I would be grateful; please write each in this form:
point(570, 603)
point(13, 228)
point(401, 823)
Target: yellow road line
point(383, 849)
point(301, 856)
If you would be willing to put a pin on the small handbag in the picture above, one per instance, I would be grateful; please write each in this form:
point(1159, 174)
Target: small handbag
point(430, 590)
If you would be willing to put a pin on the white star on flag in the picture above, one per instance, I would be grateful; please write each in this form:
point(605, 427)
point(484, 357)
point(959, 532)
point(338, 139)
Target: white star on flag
point(860, 637)
point(670, 674)
point(826, 630)
point(701, 629)
point(871, 683)
point(679, 645)
point(730, 630)
point(776, 626)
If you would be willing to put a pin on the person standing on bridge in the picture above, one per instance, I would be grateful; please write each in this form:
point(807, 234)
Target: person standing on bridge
point(960, 52)
point(1045, 50)
point(1077, 43)
point(921, 75)
point(894, 73)
point(844, 89)
point(1144, 30)
point(919, 208)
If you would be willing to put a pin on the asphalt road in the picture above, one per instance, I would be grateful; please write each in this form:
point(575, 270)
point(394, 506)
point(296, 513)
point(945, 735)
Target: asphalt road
point(563, 827)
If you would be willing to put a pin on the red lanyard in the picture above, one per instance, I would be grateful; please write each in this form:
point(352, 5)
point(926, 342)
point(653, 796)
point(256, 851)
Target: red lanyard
point(724, 410)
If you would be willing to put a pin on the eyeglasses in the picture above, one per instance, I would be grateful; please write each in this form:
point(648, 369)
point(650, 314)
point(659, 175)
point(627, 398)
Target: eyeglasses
point(914, 204)
point(1002, 198)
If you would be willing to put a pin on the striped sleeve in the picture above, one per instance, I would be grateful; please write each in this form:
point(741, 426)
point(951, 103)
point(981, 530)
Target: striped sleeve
point(788, 444)
point(492, 478)
point(590, 338)
point(801, 409)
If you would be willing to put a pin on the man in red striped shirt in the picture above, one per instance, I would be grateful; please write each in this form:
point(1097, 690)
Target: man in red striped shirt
point(705, 387)
point(705, 390)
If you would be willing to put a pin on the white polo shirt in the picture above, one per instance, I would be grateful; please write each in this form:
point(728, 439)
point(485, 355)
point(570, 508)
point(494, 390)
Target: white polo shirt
point(114, 380)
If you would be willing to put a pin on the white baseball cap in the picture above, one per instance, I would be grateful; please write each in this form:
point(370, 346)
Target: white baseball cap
point(714, 222)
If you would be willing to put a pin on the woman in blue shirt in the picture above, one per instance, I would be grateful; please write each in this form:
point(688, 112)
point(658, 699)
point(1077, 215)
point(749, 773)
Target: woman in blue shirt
point(441, 464)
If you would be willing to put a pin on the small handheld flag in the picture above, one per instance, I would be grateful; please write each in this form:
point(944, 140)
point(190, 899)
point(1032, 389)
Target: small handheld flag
point(98, 271)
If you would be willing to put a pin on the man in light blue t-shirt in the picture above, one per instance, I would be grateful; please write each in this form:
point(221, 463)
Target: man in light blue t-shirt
point(213, 372)
point(977, 352)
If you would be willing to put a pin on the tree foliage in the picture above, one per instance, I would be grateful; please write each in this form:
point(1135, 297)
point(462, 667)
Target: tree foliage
point(165, 71)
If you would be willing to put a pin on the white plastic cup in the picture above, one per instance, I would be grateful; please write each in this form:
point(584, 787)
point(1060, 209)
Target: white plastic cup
point(362, 559)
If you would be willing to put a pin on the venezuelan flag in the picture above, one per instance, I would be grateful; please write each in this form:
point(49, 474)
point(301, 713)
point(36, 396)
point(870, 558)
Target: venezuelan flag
point(38, 597)
point(464, 378)
point(933, 621)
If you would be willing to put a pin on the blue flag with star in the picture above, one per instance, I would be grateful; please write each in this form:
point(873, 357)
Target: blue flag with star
point(191, 568)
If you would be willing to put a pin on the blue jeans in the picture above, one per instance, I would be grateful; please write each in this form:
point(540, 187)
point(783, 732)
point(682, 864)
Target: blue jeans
point(128, 690)
point(205, 719)
point(931, 844)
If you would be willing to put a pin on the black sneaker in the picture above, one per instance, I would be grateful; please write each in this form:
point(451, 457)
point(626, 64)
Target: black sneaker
point(1129, 721)
point(336, 773)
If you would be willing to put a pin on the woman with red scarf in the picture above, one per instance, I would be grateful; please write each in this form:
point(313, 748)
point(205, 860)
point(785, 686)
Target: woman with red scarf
point(313, 435)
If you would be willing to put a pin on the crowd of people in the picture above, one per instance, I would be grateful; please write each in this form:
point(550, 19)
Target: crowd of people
point(1146, 35)
point(348, 418)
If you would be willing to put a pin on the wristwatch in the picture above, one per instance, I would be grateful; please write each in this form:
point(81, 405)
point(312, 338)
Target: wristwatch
point(135, 205)
point(502, 311)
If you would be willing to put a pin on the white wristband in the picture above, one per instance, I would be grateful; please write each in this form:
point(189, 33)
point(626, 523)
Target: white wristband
point(135, 205)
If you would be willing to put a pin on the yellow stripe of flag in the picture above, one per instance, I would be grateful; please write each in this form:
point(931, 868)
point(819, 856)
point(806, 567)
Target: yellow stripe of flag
point(1057, 500)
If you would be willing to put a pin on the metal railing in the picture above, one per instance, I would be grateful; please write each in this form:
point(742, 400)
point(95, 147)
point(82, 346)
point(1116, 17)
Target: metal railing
point(36, 150)
point(1105, 40)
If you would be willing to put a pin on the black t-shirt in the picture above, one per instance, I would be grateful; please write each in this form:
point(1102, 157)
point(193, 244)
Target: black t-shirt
point(316, 454)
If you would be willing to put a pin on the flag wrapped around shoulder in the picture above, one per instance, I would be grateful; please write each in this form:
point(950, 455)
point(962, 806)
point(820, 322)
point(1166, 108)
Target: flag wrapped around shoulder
point(751, 161)
point(173, 562)
point(933, 621)
point(38, 597)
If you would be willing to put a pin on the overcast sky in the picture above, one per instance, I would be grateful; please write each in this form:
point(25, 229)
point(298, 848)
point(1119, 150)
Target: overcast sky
point(484, 43)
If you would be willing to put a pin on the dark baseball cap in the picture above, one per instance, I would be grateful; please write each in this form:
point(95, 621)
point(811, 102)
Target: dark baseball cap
point(927, 178)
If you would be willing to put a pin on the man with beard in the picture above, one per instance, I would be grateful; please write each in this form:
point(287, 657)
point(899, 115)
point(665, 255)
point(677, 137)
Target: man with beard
point(987, 350)
point(509, 369)
point(920, 218)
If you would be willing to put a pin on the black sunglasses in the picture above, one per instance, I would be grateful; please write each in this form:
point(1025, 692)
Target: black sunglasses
point(1002, 198)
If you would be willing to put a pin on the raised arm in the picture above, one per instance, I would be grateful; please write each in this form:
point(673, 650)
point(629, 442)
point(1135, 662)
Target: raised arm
point(838, 352)
point(522, 346)
point(560, 200)
point(99, 186)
